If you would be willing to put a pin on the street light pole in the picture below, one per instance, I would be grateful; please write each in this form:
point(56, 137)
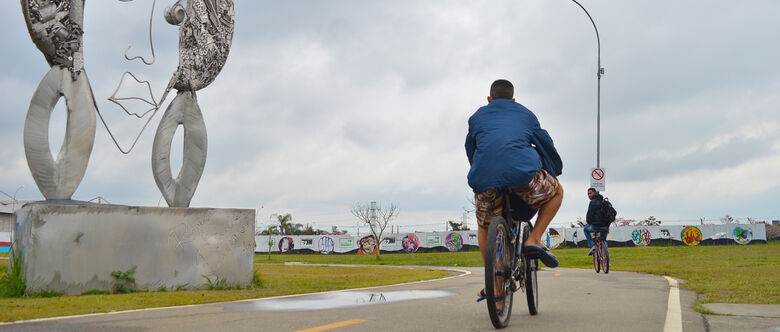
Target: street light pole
point(13, 207)
point(599, 73)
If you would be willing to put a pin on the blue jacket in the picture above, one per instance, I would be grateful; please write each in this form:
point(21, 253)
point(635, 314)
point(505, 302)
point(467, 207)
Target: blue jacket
point(506, 147)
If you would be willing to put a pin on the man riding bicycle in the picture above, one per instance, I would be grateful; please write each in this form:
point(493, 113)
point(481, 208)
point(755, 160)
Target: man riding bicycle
point(507, 148)
point(595, 219)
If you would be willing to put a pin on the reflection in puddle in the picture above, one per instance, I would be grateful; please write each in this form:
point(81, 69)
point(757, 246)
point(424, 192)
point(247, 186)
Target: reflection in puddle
point(334, 300)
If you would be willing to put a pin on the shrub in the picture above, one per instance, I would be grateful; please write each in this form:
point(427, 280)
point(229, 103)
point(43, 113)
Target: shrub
point(13, 283)
point(125, 281)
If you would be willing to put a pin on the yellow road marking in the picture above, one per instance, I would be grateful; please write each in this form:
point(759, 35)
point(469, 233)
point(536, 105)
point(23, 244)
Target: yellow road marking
point(333, 325)
point(557, 274)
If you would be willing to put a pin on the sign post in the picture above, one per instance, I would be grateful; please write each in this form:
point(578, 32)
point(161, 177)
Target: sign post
point(598, 178)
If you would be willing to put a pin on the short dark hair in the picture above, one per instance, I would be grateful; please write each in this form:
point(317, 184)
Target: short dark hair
point(594, 190)
point(502, 89)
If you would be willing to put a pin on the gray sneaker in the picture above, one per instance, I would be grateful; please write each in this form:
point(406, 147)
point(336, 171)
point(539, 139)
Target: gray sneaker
point(592, 250)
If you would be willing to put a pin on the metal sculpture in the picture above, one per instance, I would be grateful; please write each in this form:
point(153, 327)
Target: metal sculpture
point(205, 35)
point(56, 28)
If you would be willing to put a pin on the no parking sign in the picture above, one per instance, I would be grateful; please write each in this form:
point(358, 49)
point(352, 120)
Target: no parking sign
point(598, 178)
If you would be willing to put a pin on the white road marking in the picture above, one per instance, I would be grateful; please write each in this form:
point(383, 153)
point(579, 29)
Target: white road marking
point(673, 312)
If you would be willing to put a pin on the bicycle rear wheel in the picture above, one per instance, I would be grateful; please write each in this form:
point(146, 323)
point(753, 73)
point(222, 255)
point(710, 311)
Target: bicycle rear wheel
point(498, 272)
point(531, 286)
point(604, 257)
point(531, 266)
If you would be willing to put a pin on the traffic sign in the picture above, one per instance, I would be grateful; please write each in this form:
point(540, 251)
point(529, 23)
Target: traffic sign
point(598, 178)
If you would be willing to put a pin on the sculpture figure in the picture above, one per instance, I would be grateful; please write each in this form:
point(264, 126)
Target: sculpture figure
point(205, 35)
point(56, 28)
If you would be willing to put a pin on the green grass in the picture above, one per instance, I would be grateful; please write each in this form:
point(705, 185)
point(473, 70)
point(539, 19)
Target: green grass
point(723, 274)
point(274, 280)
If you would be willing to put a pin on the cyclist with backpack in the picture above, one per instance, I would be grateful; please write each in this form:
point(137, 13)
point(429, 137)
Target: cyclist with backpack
point(600, 215)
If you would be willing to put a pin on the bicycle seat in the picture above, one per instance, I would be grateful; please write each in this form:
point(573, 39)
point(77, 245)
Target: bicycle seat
point(520, 210)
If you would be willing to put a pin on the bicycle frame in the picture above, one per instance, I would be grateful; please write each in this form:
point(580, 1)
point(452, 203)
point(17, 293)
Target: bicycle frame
point(601, 254)
point(519, 267)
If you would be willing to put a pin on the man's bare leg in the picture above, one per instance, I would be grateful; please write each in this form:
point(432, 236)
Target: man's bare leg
point(482, 238)
point(546, 214)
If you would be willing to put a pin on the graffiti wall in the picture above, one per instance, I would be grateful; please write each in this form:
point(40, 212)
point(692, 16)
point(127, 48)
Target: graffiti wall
point(693, 235)
point(5, 241)
point(734, 234)
point(366, 245)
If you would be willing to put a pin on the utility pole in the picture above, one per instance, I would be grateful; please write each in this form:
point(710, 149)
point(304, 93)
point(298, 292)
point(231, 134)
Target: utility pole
point(599, 73)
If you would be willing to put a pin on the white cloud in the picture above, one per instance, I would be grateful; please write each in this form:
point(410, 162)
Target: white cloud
point(322, 104)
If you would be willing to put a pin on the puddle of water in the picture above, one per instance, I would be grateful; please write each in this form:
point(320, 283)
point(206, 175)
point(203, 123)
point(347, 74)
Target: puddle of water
point(335, 300)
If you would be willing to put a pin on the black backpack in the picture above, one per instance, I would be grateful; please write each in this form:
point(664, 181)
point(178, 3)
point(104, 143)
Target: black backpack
point(608, 212)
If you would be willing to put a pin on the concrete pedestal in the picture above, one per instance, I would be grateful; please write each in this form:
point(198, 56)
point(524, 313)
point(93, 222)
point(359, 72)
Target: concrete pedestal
point(72, 247)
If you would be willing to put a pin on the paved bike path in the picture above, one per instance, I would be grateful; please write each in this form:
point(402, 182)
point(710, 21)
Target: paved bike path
point(570, 299)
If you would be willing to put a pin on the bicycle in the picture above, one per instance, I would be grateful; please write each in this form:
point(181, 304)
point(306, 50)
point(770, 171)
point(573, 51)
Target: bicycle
point(601, 254)
point(506, 266)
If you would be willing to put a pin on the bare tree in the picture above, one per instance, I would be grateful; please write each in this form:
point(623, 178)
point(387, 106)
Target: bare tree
point(376, 217)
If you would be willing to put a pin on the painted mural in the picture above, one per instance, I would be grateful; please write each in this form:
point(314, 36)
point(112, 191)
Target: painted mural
point(641, 236)
point(454, 241)
point(5, 241)
point(367, 245)
point(691, 236)
point(411, 243)
point(726, 234)
point(326, 245)
point(742, 234)
point(286, 244)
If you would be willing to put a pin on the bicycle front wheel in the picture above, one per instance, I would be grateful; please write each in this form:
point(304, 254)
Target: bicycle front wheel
point(498, 272)
point(605, 257)
point(596, 259)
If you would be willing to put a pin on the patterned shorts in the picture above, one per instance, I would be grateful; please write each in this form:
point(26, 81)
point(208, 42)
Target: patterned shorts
point(490, 203)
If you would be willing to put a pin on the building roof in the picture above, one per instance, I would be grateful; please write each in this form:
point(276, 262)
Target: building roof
point(9, 205)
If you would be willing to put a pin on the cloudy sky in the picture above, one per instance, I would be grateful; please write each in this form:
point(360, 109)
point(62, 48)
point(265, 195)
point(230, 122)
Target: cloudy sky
point(326, 103)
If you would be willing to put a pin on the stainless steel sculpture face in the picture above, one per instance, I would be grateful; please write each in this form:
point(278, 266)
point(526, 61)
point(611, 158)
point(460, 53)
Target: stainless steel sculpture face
point(205, 35)
point(56, 27)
